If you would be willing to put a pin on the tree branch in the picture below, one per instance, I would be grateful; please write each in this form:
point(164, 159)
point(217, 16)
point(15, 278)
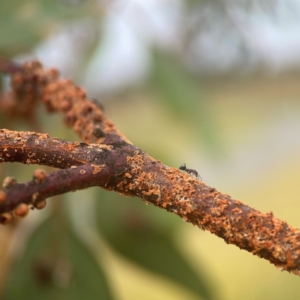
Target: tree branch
point(41, 187)
point(113, 163)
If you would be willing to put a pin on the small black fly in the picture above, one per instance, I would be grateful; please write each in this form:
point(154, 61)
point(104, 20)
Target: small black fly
point(190, 171)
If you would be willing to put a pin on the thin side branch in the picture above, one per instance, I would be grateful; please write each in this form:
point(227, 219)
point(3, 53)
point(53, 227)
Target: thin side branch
point(62, 181)
point(115, 164)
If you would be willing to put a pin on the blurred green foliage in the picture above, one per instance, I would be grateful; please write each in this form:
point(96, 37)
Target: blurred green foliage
point(185, 99)
point(146, 237)
point(25, 23)
point(56, 265)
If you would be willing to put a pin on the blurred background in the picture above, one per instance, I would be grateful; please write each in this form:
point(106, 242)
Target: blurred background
point(213, 84)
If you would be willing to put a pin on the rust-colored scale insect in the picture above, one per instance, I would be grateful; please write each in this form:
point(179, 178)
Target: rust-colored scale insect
point(190, 171)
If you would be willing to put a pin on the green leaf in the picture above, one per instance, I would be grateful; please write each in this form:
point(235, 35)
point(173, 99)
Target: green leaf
point(56, 265)
point(145, 235)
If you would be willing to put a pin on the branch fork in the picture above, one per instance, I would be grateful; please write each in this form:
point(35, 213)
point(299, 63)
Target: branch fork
point(106, 158)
